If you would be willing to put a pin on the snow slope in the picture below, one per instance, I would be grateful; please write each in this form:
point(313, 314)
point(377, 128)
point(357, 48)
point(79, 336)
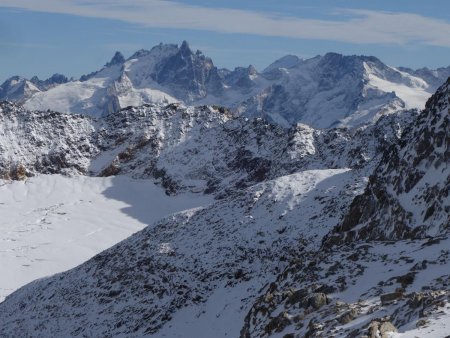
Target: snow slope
point(413, 91)
point(51, 223)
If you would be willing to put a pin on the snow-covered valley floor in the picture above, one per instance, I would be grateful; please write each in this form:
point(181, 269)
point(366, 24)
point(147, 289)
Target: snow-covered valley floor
point(51, 223)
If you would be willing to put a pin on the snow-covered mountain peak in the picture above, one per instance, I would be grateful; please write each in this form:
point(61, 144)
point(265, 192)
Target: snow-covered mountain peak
point(18, 89)
point(117, 59)
point(288, 61)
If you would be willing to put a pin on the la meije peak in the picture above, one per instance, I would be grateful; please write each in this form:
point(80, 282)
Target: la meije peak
point(324, 91)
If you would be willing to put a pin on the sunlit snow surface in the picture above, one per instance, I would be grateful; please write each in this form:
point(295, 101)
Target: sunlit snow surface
point(52, 223)
point(412, 90)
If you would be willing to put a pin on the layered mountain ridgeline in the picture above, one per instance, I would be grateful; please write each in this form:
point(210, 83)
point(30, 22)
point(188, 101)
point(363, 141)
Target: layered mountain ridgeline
point(253, 263)
point(324, 91)
point(207, 257)
point(19, 89)
point(384, 268)
point(203, 149)
point(298, 243)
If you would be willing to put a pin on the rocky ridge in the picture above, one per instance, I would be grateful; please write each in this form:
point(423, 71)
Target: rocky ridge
point(204, 149)
point(408, 194)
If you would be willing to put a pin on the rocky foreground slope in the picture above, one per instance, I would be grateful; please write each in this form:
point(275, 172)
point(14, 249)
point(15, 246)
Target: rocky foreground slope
point(286, 249)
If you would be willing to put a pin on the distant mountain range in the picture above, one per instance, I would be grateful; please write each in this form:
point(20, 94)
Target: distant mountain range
point(324, 91)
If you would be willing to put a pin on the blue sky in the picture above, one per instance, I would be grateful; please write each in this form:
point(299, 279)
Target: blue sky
point(74, 37)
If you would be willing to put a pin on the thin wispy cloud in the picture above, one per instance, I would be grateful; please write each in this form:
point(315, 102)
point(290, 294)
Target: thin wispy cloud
point(26, 45)
point(357, 26)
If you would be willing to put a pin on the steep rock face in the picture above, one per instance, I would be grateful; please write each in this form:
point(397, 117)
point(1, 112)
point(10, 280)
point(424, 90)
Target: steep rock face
point(177, 71)
point(408, 196)
point(117, 59)
point(189, 75)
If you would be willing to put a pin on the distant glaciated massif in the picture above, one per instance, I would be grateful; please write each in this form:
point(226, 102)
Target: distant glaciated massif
point(324, 91)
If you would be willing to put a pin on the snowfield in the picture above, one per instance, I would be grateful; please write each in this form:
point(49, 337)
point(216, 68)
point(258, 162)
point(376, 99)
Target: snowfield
point(52, 223)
